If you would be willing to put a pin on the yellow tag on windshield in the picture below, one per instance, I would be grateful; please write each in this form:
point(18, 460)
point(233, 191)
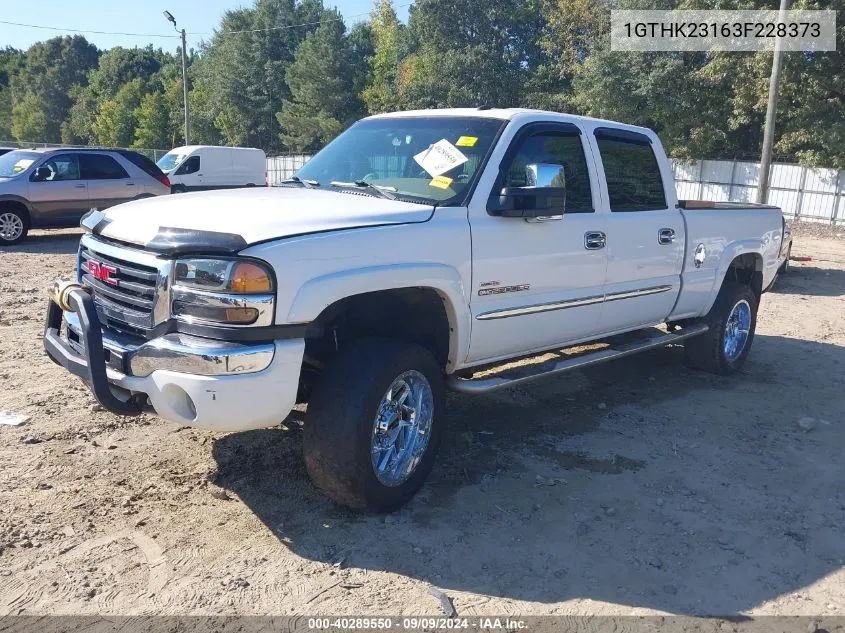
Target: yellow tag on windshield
point(467, 141)
point(441, 182)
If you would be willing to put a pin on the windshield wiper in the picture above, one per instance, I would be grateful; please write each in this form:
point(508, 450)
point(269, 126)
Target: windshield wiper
point(308, 184)
point(383, 192)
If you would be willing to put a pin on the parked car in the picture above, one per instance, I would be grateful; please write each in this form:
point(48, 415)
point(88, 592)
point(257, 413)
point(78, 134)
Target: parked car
point(413, 250)
point(53, 188)
point(204, 167)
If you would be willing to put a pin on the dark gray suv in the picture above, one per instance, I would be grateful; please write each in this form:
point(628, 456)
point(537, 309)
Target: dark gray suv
point(53, 188)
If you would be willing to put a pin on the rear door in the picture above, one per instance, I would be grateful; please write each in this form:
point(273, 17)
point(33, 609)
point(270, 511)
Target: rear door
point(645, 237)
point(108, 182)
point(538, 283)
point(57, 191)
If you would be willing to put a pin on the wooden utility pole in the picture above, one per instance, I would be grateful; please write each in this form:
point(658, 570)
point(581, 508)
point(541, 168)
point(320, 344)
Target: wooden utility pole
point(771, 109)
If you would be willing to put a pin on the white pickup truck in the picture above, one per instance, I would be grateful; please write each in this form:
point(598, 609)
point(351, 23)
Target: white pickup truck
point(413, 251)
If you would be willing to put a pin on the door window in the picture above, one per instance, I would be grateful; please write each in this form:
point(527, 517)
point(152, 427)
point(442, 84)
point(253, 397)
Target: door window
point(62, 167)
point(101, 167)
point(633, 176)
point(190, 166)
point(558, 149)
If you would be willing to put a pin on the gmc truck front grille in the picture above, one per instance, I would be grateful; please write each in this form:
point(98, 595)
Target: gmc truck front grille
point(128, 285)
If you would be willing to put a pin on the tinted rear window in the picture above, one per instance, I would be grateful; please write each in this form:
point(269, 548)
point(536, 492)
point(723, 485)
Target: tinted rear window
point(145, 164)
point(633, 176)
point(101, 167)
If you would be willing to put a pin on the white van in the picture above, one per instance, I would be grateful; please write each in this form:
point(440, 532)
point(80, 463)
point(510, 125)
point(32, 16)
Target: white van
point(202, 167)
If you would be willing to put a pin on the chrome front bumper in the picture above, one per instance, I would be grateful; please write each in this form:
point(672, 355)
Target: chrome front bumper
point(176, 352)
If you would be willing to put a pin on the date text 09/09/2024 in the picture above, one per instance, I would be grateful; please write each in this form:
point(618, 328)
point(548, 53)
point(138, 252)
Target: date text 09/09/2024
point(417, 623)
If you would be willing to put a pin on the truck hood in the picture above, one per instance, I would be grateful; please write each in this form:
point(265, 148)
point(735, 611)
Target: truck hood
point(227, 221)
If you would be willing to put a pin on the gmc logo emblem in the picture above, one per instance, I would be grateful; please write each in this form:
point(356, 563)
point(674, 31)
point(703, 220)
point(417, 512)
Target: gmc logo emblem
point(102, 272)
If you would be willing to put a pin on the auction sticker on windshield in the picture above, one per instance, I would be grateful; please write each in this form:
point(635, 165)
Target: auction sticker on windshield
point(440, 158)
point(22, 164)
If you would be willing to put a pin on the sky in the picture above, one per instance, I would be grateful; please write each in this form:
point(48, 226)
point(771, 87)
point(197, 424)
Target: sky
point(199, 18)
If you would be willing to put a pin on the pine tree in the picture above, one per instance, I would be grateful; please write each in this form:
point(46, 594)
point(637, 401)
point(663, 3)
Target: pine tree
point(321, 83)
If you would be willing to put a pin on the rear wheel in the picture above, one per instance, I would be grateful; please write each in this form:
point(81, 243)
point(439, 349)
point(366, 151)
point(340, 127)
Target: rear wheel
point(784, 267)
point(178, 189)
point(14, 225)
point(732, 320)
point(374, 423)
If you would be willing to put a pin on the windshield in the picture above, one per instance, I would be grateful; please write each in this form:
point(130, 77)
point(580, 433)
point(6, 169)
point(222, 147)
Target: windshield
point(421, 159)
point(13, 163)
point(170, 160)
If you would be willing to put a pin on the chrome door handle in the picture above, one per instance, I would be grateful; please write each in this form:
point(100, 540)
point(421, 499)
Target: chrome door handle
point(666, 236)
point(594, 240)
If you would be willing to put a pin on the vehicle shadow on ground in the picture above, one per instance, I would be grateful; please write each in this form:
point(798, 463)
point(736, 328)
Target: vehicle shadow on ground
point(811, 281)
point(639, 482)
point(52, 242)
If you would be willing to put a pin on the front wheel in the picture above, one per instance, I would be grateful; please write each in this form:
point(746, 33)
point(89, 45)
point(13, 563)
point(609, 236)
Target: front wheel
point(732, 320)
point(13, 226)
point(374, 424)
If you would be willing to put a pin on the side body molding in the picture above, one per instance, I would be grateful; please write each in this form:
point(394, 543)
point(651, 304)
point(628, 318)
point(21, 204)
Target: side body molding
point(319, 293)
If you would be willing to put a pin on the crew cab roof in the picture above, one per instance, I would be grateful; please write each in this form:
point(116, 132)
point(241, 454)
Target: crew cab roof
point(511, 114)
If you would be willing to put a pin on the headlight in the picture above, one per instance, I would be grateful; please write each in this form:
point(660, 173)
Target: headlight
point(224, 275)
point(224, 291)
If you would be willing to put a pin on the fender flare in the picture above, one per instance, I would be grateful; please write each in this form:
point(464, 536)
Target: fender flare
point(317, 294)
point(729, 254)
point(18, 199)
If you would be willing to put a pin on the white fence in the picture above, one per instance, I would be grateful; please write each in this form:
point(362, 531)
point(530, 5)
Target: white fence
point(281, 167)
point(806, 193)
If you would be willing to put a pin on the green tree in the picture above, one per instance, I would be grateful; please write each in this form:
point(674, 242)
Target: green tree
point(117, 67)
point(153, 128)
point(49, 73)
point(244, 67)
point(116, 121)
point(470, 52)
point(29, 123)
point(383, 93)
point(322, 87)
point(11, 61)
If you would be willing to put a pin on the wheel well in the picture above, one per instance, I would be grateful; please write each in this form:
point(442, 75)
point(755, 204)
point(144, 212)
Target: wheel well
point(747, 269)
point(414, 315)
point(17, 206)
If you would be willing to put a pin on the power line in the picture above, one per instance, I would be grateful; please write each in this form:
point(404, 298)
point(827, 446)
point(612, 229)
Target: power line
point(272, 28)
point(53, 28)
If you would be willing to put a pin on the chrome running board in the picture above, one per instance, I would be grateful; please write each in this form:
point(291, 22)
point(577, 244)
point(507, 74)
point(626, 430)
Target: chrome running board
point(512, 377)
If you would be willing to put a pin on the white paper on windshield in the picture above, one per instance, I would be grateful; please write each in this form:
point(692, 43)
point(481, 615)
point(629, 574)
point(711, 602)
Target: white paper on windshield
point(22, 164)
point(440, 158)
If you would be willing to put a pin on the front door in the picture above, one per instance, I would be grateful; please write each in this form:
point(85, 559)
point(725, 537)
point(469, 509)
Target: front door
point(645, 238)
point(57, 191)
point(108, 182)
point(190, 173)
point(537, 283)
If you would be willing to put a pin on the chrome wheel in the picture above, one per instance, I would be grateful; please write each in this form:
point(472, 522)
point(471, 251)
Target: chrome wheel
point(402, 428)
point(11, 226)
point(736, 330)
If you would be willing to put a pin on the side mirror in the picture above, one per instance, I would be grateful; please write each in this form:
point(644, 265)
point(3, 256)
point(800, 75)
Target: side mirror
point(543, 195)
point(545, 175)
point(41, 174)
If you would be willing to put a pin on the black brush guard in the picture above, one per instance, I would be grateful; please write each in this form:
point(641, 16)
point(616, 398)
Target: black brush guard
point(92, 366)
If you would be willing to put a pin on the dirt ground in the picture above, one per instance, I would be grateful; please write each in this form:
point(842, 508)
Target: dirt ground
point(636, 487)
